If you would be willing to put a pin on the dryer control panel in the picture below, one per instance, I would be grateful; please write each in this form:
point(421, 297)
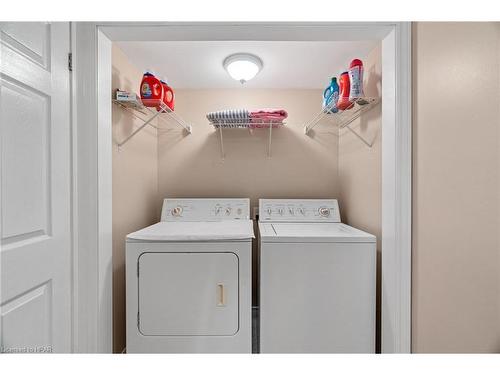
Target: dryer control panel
point(299, 210)
point(205, 209)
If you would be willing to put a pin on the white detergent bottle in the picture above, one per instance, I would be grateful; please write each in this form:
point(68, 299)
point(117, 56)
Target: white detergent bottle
point(356, 80)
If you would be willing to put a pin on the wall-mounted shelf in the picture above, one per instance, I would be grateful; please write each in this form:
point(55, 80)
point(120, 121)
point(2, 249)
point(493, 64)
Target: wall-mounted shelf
point(219, 125)
point(148, 114)
point(344, 118)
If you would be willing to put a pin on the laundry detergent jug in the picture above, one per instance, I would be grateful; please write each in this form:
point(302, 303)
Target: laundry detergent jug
point(151, 90)
point(168, 94)
point(331, 97)
point(345, 88)
point(356, 80)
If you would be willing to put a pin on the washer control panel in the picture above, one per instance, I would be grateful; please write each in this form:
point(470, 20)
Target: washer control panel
point(205, 209)
point(299, 210)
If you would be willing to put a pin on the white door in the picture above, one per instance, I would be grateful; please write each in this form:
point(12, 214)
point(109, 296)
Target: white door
point(188, 294)
point(35, 254)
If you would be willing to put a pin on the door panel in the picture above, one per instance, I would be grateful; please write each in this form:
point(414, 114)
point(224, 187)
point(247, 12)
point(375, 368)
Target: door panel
point(188, 294)
point(35, 254)
point(26, 162)
point(27, 318)
point(30, 39)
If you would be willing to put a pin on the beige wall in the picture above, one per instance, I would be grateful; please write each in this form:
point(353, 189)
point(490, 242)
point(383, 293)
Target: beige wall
point(456, 189)
point(135, 186)
point(300, 166)
point(360, 167)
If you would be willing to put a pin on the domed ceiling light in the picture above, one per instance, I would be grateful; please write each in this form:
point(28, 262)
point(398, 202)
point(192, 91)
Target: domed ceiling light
point(242, 66)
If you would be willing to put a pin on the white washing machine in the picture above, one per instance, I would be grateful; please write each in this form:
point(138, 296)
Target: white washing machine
point(189, 279)
point(317, 279)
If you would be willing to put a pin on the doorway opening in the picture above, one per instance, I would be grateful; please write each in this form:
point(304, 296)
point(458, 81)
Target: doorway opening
point(96, 42)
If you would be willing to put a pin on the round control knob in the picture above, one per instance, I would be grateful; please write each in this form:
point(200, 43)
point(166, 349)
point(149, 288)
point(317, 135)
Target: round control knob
point(292, 212)
point(177, 211)
point(324, 211)
point(217, 209)
point(301, 210)
point(269, 211)
point(280, 211)
point(228, 211)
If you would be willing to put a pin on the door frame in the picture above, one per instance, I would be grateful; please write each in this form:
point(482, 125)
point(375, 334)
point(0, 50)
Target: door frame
point(92, 165)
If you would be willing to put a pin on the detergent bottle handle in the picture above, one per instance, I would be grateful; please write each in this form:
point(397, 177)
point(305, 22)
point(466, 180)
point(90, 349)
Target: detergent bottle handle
point(327, 90)
point(158, 89)
point(169, 90)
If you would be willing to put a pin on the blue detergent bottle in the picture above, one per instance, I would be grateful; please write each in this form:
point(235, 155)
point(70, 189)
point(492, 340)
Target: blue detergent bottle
point(331, 97)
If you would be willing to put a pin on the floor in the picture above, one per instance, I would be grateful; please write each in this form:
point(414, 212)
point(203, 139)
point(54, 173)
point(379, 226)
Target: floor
point(255, 330)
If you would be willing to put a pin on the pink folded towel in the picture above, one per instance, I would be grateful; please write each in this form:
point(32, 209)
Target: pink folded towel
point(269, 113)
point(264, 117)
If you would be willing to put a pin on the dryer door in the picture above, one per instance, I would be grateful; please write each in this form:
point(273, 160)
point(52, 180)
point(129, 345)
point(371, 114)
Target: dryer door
point(188, 294)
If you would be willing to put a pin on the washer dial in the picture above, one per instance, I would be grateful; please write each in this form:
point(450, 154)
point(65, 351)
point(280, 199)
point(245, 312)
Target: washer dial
point(324, 212)
point(177, 211)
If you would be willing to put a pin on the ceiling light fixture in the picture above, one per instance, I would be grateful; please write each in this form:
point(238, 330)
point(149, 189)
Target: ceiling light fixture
point(242, 66)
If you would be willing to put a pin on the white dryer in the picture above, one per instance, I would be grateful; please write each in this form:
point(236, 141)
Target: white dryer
point(189, 279)
point(317, 279)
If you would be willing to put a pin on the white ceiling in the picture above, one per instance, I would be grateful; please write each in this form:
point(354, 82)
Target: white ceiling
point(198, 65)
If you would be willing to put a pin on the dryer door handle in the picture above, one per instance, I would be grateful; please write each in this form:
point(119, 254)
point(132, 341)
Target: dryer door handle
point(221, 295)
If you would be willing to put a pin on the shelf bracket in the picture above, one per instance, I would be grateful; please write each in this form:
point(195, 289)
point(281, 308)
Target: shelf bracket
point(222, 152)
point(311, 124)
point(270, 140)
point(147, 115)
point(120, 144)
point(359, 136)
point(316, 119)
point(343, 118)
point(250, 126)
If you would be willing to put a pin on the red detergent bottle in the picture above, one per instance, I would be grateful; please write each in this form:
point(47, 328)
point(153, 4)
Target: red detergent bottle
point(151, 90)
point(168, 94)
point(356, 80)
point(345, 88)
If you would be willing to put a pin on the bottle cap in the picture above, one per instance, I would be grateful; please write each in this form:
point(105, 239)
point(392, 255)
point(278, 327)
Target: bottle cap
point(356, 62)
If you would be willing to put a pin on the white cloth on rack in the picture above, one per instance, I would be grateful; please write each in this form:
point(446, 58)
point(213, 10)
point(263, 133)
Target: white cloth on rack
point(229, 118)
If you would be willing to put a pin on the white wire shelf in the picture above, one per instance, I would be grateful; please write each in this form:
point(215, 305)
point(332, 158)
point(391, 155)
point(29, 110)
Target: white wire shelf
point(243, 124)
point(146, 114)
point(343, 118)
point(251, 125)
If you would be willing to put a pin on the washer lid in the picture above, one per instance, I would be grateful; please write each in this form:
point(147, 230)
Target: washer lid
point(312, 232)
point(195, 231)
